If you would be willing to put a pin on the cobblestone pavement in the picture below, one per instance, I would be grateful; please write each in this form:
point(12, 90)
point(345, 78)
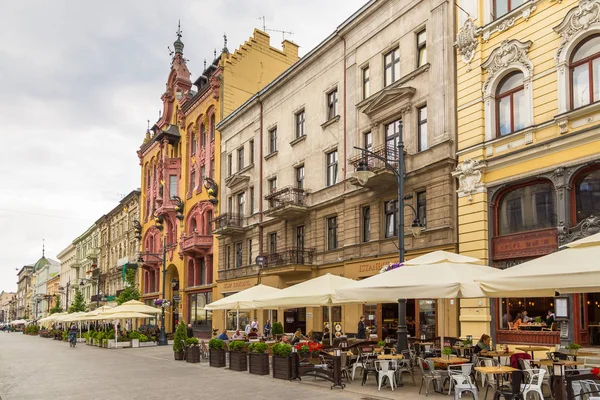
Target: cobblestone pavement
point(33, 368)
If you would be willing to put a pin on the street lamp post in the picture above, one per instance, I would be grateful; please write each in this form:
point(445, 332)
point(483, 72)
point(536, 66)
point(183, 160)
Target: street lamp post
point(363, 174)
point(162, 338)
point(61, 289)
point(83, 282)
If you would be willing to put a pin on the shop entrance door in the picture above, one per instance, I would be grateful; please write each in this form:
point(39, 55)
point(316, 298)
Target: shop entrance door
point(294, 319)
point(587, 323)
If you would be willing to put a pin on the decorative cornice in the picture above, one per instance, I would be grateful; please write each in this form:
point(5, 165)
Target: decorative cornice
point(579, 18)
point(467, 41)
point(509, 53)
point(469, 177)
point(508, 20)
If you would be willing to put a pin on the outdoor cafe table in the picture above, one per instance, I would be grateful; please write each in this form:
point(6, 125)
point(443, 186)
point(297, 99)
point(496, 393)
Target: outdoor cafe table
point(497, 354)
point(390, 357)
point(549, 363)
point(451, 360)
point(499, 370)
point(462, 348)
point(581, 354)
point(532, 349)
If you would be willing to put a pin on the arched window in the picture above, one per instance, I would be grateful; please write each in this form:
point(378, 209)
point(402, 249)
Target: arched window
point(585, 73)
point(193, 143)
point(587, 195)
point(510, 104)
point(527, 208)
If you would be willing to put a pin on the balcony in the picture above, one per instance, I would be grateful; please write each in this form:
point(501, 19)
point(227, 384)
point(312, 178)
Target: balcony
point(242, 272)
point(228, 224)
point(93, 254)
point(196, 244)
point(383, 175)
point(287, 203)
point(292, 260)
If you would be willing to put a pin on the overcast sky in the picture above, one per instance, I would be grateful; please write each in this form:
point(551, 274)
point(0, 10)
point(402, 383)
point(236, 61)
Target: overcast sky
point(79, 79)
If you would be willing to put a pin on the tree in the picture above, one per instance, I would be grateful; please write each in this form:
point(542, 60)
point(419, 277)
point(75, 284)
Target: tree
point(130, 292)
point(57, 307)
point(78, 302)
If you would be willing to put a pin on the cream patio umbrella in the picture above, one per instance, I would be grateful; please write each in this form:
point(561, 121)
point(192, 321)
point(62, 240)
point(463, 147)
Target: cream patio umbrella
point(134, 306)
point(316, 292)
point(572, 269)
point(121, 315)
point(243, 300)
point(436, 275)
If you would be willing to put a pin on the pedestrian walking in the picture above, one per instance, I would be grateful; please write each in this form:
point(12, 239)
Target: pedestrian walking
point(190, 331)
point(267, 328)
point(362, 329)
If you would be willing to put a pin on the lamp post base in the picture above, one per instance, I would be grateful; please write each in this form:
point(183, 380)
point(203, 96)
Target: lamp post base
point(162, 339)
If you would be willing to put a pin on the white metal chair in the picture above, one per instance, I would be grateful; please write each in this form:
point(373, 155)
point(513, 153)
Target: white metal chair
point(462, 383)
point(386, 369)
point(361, 361)
point(428, 376)
point(528, 369)
point(464, 369)
point(534, 381)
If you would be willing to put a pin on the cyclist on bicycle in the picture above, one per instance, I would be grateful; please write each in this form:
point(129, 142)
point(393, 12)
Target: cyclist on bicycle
point(73, 335)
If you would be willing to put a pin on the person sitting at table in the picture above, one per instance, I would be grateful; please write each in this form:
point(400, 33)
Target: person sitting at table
point(483, 344)
point(285, 339)
point(237, 335)
point(253, 333)
point(326, 334)
point(223, 335)
point(518, 321)
point(550, 318)
point(298, 336)
point(525, 318)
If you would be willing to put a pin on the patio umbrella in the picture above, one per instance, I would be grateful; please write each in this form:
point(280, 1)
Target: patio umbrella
point(436, 275)
point(316, 292)
point(18, 322)
point(572, 269)
point(134, 306)
point(121, 315)
point(243, 300)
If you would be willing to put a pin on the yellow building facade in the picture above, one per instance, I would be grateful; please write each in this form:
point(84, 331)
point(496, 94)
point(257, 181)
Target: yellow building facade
point(528, 74)
point(181, 167)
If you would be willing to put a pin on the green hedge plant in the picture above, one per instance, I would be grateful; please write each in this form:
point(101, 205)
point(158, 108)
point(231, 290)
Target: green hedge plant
point(179, 338)
point(277, 328)
point(193, 341)
point(216, 344)
point(237, 345)
point(282, 349)
point(258, 347)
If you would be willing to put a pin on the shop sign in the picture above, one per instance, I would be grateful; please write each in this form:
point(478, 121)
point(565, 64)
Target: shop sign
point(528, 244)
point(237, 285)
point(371, 268)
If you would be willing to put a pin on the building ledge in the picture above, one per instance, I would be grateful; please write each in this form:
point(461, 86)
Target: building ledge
point(271, 155)
point(298, 140)
point(330, 122)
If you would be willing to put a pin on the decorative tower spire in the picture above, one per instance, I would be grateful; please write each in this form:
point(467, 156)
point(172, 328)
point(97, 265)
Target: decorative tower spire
point(178, 44)
point(43, 248)
point(225, 50)
point(215, 53)
point(205, 64)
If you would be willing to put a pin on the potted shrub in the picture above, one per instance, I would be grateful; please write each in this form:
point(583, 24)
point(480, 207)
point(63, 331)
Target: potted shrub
point(447, 352)
point(537, 320)
point(572, 348)
point(467, 342)
point(282, 361)
point(135, 337)
point(277, 330)
point(258, 358)
point(383, 344)
point(179, 341)
point(216, 353)
point(192, 350)
point(238, 358)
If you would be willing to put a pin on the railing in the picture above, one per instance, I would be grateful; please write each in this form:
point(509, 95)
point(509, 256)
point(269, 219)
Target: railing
point(241, 272)
point(196, 241)
point(291, 256)
point(228, 220)
point(388, 151)
point(287, 196)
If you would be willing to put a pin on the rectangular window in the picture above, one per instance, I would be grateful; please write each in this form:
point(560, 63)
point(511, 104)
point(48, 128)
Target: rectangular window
point(272, 242)
point(422, 208)
point(172, 186)
point(391, 63)
point(422, 129)
point(200, 318)
point(366, 224)
point(367, 140)
point(202, 271)
point(241, 203)
point(544, 209)
point(272, 140)
point(212, 127)
point(228, 256)
point(300, 237)
point(366, 84)
point(251, 152)
point(300, 124)
point(202, 174)
point(332, 236)
point(202, 135)
point(332, 101)
point(300, 177)
point(421, 48)
point(272, 185)
point(193, 144)
point(390, 209)
point(249, 247)
point(251, 200)
point(240, 160)
point(238, 254)
point(502, 7)
point(212, 169)
point(393, 131)
point(229, 164)
point(332, 168)
point(192, 180)
point(230, 205)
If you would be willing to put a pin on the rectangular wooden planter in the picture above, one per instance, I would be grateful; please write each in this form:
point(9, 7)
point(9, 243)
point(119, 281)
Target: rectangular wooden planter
point(238, 361)
point(217, 358)
point(282, 367)
point(259, 363)
point(193, 354)
point(528, 337)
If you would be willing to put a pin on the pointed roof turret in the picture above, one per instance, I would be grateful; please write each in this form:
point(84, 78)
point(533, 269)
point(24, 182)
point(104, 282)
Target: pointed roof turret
point(178, 44)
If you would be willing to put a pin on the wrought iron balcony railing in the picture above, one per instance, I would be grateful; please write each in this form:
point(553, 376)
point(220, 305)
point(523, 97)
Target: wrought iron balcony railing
point(291, 256)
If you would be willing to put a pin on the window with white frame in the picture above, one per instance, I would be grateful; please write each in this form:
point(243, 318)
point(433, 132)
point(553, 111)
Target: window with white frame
point(585, 73)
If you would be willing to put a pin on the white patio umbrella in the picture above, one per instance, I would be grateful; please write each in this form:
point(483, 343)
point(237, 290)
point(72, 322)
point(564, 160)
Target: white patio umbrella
point(436, 275)
point(316, 292)
point(574, 268)
point(134, 306)
point(121, 315)
point(243, 300)
point(18, 322)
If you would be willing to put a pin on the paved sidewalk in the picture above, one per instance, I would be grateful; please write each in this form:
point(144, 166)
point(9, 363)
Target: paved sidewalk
point(33, 368)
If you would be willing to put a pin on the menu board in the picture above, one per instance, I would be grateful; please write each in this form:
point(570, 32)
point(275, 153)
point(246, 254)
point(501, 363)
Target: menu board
point(562, 307)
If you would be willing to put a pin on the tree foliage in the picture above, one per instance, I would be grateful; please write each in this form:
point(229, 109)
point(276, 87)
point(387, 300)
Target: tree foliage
point(131, 291)
point(57, 306)
point(78, 304)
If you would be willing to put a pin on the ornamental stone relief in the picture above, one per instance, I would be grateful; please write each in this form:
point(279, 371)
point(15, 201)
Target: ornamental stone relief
point(467, 42)
point(577, 19)
point(469, 177)
point(510, 53)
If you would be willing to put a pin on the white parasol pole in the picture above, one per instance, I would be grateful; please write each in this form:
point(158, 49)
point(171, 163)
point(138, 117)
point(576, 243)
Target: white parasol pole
point(330, 325)
point(442, 324)
point(238, 319)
